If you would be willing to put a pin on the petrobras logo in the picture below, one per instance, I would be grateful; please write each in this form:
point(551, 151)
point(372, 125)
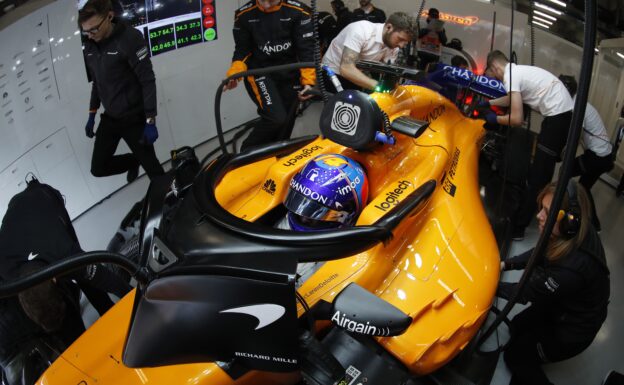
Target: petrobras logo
point(269, 48)
point(304, 154)
point(345, 118)
point(308, 193)
point(394, 197)
point(342, 321)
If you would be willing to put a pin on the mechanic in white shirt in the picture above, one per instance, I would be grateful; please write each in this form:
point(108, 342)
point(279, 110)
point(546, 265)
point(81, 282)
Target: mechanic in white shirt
point(546, 94)
point(597, 158)
point(364, 40)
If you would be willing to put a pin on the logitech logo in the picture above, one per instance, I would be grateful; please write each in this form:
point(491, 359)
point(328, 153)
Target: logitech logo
point(394, 197)
point(266, 313)
point(269, 49)
point(304, 154)
point(341, 320)
point(269, 186)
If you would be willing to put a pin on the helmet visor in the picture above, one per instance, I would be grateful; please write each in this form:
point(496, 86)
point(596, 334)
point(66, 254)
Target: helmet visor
point(305, 207)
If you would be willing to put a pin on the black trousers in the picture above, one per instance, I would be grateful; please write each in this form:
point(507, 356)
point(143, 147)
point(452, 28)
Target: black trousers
point(590, 166)
point(550, 143)
point(277, 106)
point(110, 131)
point(534, 342)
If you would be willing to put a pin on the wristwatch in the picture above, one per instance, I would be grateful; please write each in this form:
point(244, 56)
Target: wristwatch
point(150, 120)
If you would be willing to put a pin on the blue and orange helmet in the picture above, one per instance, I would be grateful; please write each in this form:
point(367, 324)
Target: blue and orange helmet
point(329, 192)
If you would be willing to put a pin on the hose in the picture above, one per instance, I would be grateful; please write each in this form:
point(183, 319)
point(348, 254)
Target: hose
point(320, 81)
point(11, 288)
point(589, 37)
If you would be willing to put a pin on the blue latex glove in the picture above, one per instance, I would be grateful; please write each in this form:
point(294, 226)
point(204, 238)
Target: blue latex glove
point(90, 125)
point(150, 134)
point(490, 117)
point(484, 104)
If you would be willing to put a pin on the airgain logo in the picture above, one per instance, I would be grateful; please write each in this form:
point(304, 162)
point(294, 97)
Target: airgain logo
point(269, 186)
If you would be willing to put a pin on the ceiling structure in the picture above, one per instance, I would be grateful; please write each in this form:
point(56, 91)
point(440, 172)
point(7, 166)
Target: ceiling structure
point(569, 24)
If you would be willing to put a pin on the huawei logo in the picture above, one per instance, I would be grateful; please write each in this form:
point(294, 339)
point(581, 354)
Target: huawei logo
point(269, 186)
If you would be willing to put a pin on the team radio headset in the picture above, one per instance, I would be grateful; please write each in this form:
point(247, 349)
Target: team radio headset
point(570, 219)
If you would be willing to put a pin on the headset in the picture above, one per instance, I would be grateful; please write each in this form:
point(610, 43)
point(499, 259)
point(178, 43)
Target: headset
point(570, 219)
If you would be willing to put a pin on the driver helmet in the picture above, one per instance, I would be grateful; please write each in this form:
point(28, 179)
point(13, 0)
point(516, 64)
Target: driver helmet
point(329, 192)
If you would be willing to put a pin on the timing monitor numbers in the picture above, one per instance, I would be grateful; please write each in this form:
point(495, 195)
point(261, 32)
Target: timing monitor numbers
point(169, 25)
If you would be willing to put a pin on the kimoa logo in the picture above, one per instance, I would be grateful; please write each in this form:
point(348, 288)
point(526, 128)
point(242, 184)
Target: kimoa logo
point(305, 153)
point(266, 313)
point(344, 322)
point(394, 197)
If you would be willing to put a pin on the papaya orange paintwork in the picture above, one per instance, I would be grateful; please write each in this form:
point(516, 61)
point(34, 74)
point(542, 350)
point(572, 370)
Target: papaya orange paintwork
point(441, 267)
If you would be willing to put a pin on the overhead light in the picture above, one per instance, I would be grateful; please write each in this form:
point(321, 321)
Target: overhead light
point(541, 25)
point(547, 8)
point(541, 20)
point(620, 55)
point(560, 3)
point(535, 11)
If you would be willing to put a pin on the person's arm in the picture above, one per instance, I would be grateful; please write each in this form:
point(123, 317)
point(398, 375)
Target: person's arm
point(243, 41)
point(139, 60)
point(304, 47)
point(515, 115)
point(517, 262)
point(503, 101)
point(545, 285)
point(352, 73)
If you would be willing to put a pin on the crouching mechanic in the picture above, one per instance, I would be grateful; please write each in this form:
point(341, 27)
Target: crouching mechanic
point(328, 193)
point(269, 33)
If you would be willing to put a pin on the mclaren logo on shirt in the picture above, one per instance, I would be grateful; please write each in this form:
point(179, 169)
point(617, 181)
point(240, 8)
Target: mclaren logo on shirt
point(142, 53)
point(270, 49)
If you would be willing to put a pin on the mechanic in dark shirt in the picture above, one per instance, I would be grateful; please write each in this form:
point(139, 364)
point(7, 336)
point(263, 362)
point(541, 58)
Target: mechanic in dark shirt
point(343, 15)
point(568, 291)
point(118, 63)
point(269, 33)
point(368, 12)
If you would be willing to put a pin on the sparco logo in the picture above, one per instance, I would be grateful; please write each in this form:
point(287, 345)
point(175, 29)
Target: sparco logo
point(269, 186)
point(276, 48)
point(358, 327)
point(305, 153)
point(345, 118)
point(394, 197)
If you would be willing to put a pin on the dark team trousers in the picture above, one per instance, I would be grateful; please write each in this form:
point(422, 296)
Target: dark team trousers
point(277, 105)
point(550, 143)
point(110, 131)
point(535, 342)
point(590, 166)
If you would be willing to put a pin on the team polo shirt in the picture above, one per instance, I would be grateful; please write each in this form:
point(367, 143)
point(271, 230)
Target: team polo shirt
point(540, 89)
point(595, 137)
point(363, 37)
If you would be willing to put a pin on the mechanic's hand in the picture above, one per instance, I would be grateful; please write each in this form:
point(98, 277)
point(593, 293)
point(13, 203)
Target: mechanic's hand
point(484, 104)
point(491, 117)
point(303, 94)
point(231, 84)
point(150, 134)
point(90, 125)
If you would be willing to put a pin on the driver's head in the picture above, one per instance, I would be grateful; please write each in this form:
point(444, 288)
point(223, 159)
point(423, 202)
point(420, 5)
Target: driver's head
point(496, 62)
point(399, 30)
point(329, 192)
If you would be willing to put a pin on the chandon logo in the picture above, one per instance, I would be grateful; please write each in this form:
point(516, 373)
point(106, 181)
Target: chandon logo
point(276, 48)
point(394, 197)
point(266, 313)
point(307, 192)
point(345, 118)
point(344, 322)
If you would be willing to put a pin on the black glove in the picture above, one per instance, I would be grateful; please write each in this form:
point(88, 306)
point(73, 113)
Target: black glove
point(150, 134)
point(90, 125)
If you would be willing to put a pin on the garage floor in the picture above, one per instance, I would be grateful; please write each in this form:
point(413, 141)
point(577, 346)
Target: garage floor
point(96, 227)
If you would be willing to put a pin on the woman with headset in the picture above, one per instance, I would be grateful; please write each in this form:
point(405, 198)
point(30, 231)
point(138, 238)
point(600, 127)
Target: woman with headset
point(568, 290)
